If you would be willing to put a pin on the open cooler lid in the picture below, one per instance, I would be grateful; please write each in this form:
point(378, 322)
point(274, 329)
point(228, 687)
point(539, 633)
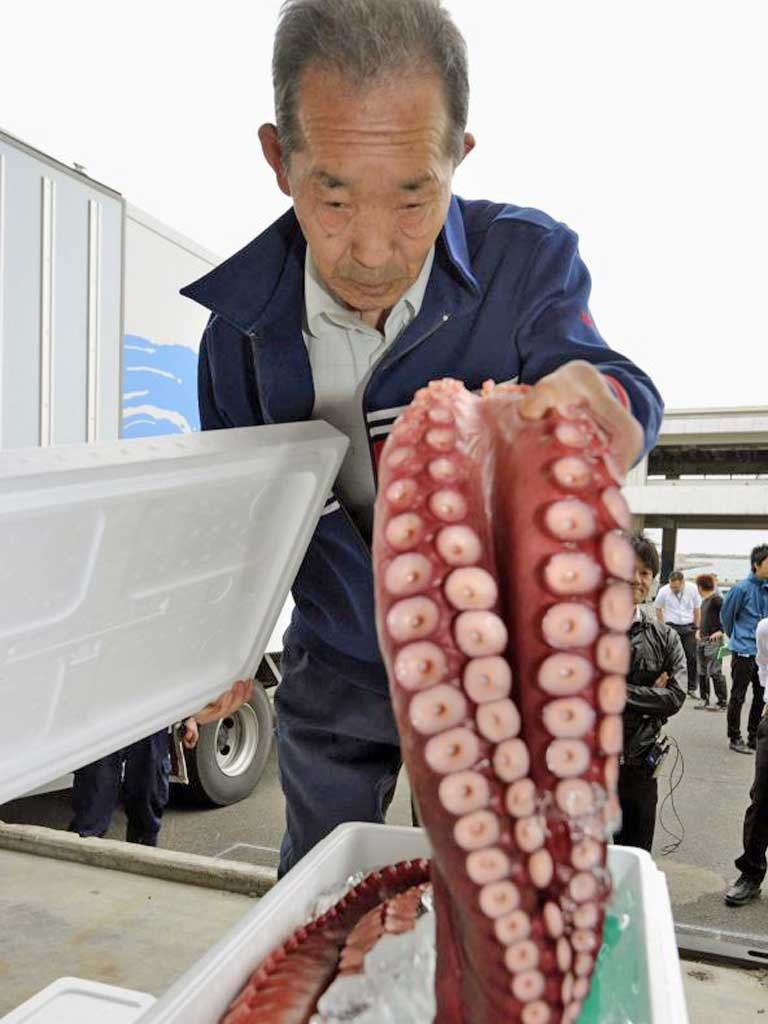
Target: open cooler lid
point(139, 579)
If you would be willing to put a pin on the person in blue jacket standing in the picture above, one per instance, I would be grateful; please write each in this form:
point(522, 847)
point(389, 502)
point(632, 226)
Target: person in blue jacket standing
point(376, 281)
point(745, 605)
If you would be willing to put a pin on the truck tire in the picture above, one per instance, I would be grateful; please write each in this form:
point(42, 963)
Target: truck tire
point(231, 755)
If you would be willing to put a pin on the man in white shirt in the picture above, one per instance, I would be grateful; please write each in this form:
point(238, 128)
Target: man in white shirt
point(678, 605)
point(752, 862)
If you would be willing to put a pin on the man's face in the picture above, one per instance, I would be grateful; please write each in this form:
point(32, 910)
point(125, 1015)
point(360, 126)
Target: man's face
point(761, 569)
point(643, 581)
point(676, 586)
point(372, 182)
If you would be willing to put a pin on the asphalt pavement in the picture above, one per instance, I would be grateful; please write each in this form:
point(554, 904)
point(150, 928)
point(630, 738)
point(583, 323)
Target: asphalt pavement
point(710, 800)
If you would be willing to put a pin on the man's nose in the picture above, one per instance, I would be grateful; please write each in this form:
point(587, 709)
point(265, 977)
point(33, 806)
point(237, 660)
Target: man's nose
point(372, 242)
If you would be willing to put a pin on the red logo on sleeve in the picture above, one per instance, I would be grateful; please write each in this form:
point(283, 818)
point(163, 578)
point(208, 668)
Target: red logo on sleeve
point(587, 320)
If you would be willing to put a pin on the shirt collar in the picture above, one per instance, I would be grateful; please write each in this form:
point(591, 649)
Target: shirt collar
point(322, 308)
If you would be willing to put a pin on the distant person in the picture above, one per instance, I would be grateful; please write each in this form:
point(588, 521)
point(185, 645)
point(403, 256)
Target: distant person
point(708, 664)
point(745, 605)
point(141, 771)
point(752, 862)
point(678, 605)
point(655, 690)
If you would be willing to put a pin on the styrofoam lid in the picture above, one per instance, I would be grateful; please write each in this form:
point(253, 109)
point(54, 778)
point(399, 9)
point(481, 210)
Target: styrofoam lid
point(138, 579)
point(77, 1001)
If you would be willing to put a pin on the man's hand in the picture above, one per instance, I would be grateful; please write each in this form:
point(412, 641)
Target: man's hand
point(579, 384)
point(716, 636)
point(226, 703)
point(189, 733)
point(662, 681)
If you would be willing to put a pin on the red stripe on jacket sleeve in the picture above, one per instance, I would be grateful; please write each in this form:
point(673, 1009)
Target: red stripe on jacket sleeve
point(619, 391)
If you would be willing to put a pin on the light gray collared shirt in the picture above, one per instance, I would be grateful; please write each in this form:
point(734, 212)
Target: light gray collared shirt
point(343, 352)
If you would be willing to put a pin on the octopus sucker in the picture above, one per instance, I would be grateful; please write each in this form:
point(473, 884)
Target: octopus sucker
point(500, 572)
point(522, 531)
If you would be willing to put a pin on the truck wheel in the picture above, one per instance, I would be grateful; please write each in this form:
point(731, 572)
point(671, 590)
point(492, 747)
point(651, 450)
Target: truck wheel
point(231, 755)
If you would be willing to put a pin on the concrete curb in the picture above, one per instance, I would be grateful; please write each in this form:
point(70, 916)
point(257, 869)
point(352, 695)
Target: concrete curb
point(189, 868)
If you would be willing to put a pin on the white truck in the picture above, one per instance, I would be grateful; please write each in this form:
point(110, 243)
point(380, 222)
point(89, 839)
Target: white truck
point(97, 344)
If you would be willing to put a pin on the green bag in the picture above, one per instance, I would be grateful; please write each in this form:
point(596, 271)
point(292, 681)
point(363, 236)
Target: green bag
point(724, 651)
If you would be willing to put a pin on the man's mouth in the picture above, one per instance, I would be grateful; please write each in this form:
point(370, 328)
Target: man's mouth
point(373, 289)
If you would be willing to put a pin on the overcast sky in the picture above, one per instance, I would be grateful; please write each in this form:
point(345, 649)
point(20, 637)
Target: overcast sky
point(640, 125)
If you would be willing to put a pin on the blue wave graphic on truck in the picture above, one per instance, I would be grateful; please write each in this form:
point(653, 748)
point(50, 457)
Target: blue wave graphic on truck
point(159, 388)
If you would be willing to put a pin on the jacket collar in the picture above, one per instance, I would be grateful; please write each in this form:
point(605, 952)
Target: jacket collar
point(257, 286)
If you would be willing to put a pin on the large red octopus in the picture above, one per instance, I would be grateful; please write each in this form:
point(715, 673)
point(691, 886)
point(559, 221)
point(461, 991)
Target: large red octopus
point(502, 609)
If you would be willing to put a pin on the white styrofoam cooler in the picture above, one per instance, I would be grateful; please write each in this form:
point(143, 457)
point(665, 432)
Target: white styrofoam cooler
point(139, 579)
point(202, 995)
point(76, 1001)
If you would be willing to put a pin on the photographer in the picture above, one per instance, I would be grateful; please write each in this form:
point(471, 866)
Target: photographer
point(656, 687)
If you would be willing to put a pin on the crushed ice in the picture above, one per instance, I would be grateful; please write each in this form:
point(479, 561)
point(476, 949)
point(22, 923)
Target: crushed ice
point(397, 984)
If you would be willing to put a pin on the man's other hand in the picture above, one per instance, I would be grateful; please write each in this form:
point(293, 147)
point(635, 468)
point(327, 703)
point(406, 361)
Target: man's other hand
point(190, 734)
point(226, 703)
point(662, 681)
point(579, 384)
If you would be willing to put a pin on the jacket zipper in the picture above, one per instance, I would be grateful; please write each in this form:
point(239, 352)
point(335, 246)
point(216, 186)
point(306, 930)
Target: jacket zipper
point(253, 338)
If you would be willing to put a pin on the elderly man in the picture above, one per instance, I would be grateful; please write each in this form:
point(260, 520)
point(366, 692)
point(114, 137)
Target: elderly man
point(376, 281)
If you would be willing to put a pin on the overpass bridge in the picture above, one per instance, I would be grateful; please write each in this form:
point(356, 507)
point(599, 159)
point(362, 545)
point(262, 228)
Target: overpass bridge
point(709, 470)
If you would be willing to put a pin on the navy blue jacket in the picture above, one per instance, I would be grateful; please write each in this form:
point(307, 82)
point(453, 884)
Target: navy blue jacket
point(745, 604)
point(507, 300)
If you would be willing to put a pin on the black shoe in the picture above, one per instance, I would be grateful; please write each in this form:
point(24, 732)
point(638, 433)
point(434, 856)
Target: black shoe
point(742, 891)
point(740, 747)
point(717, 707)
point(703, 706)
point(752, 744)
point(141, 838)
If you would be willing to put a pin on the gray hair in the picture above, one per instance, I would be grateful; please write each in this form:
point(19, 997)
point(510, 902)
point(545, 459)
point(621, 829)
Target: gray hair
point(367, 41)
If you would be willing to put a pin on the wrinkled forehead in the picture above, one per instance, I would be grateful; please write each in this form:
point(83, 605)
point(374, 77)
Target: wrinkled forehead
point(393, 115)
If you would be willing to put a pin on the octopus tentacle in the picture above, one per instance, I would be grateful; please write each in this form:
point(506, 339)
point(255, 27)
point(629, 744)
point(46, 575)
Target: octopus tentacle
point(285, 988)
point(502, 608)
point(508, 687)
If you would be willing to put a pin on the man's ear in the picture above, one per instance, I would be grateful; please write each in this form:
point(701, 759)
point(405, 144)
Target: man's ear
point(469, 145)
point(273, 154)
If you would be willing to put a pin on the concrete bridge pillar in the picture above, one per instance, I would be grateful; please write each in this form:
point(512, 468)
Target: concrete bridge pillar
point(668, 549)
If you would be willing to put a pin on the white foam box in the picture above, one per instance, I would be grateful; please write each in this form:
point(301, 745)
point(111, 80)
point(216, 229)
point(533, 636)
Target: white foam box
point(638, 981)
point(76, 1001)
point(139, 579)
